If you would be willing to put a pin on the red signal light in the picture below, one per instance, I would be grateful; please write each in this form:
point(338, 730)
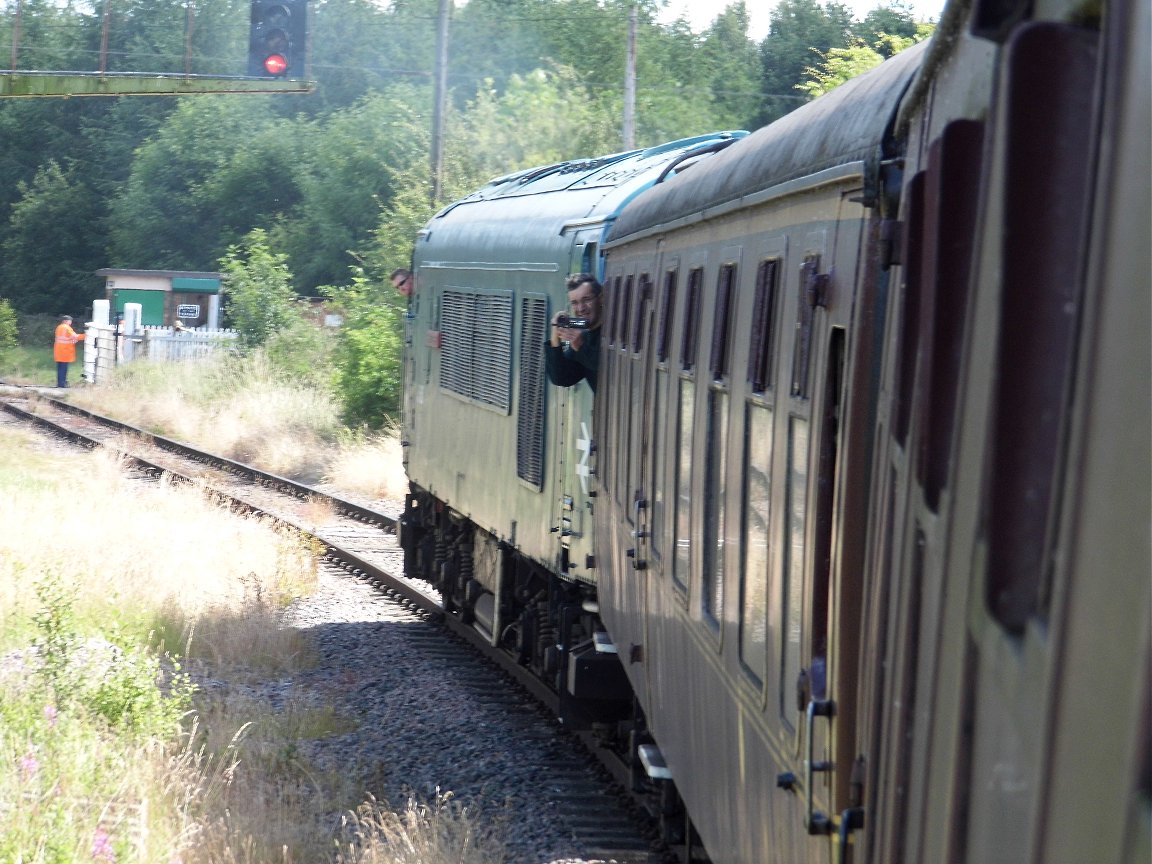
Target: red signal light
point(275, 64)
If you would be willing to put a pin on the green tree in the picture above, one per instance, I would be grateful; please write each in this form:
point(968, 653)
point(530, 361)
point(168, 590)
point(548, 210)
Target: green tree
point(348, 163)
point(258, 296)
point(218, 167)
point(543, 117)
point(53, 245)
point(895, 19)
point(731, 61)
point(842, 64)
point(369, 360)
point(799, 32)
point(9, 333)
point(360, 47)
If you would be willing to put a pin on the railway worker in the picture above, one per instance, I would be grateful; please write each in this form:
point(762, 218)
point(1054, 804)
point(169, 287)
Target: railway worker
point(579, 359)
point(403, 281)
point(64, 349)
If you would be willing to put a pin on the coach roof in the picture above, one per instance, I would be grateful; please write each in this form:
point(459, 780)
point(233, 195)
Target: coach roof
point(846, 125)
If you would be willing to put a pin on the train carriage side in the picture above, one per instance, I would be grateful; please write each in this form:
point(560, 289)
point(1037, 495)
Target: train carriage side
point(736, 456)
point(1009, 713)
point(500, 462)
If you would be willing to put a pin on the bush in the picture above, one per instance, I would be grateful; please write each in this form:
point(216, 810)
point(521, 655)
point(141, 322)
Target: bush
point(9, 332)
point(37, 330)
point(369, 361)
point(259, 300)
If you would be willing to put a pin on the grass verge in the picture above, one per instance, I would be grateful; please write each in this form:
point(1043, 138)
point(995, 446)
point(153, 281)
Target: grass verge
point(112, 591)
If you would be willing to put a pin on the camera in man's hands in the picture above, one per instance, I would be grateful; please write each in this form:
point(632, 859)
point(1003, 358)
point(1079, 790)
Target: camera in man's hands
point(572, 323)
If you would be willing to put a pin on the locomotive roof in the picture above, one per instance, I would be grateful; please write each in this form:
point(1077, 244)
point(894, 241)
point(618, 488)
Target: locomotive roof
point(521, 218)
point(603, 171)
point(846, 125)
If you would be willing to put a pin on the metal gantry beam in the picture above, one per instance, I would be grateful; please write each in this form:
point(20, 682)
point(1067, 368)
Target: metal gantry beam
point(65, 84)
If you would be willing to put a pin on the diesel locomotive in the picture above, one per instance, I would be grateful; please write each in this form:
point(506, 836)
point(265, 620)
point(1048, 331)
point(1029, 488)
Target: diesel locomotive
point(849, 554)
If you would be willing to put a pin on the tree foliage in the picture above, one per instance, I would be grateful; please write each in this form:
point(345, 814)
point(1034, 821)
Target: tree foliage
point(258, 296)
point(368, 358)
point(843, 64)
point(40, 276)
point(295, 192)
point(9, 333)
point(800, 31)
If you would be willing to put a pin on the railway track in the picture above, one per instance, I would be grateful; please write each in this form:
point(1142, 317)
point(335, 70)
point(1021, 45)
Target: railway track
point(585, 786)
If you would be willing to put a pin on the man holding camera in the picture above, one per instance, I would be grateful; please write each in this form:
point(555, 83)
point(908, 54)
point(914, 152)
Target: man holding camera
point(573, 352)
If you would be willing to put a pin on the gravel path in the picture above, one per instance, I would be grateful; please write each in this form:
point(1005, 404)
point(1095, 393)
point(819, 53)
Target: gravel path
point(431, 725)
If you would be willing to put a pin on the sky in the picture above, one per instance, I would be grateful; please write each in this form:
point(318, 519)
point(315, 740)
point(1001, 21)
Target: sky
point(701, 13)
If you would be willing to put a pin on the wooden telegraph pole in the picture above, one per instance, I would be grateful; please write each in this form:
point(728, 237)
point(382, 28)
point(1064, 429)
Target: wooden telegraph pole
point(629, 129)
point(440, 98)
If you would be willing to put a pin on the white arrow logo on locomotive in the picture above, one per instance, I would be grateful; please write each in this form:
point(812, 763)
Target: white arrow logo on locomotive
point(584, 445)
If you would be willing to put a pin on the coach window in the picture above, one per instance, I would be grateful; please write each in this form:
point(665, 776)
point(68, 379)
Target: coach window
point(682, 520)
point(623, 395)
point(608, 455)
point(641, 308)
point(712, 576)
point(795, 525)
point(757, 492)
point(666, 308)
point(614, 300)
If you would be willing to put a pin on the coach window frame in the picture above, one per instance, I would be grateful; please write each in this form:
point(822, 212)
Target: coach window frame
point(685, 428)
point(664, 310)
point(639, 333)
point(759, 438)
point(622, 389)
point(713, 567)
point(610, 458)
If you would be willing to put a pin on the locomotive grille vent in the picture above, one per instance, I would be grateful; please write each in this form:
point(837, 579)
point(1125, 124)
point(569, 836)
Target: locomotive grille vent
point(476, 347)
point(530, 420)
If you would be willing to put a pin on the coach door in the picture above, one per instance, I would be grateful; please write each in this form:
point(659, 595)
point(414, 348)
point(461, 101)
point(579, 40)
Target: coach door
point(825, 475)
point(629, 418)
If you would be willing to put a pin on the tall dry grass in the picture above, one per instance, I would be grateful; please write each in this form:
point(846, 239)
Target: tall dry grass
point(250, 410)
point(99, 568)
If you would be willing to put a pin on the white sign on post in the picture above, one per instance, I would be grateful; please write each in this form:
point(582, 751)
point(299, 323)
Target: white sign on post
point(188, 310)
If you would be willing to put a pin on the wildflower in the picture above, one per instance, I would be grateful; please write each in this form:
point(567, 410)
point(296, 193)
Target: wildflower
point(29, 766)
point(50, 714)
point(102, 846)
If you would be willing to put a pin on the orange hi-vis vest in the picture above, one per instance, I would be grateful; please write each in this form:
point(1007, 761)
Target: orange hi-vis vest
point(64, 351)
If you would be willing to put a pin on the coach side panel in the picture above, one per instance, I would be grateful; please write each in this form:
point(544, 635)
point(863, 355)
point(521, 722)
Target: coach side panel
point(745, 348)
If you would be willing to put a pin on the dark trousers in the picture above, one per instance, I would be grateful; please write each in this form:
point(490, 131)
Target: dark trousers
point(62, 374)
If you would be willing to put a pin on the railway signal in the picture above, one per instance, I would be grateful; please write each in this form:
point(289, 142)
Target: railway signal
point(276, 42)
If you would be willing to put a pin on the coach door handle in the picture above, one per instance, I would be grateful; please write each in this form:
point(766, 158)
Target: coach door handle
point(815, 821)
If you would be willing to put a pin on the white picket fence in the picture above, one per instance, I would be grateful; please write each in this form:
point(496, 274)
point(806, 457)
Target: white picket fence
point(169, 345)
point(105, 346)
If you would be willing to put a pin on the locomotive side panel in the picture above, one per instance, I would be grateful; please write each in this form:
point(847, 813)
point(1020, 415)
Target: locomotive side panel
point(484, 307)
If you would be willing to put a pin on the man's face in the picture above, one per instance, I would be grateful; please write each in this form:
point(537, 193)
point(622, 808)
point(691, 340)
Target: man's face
point(585, 303)
point(403, 284)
